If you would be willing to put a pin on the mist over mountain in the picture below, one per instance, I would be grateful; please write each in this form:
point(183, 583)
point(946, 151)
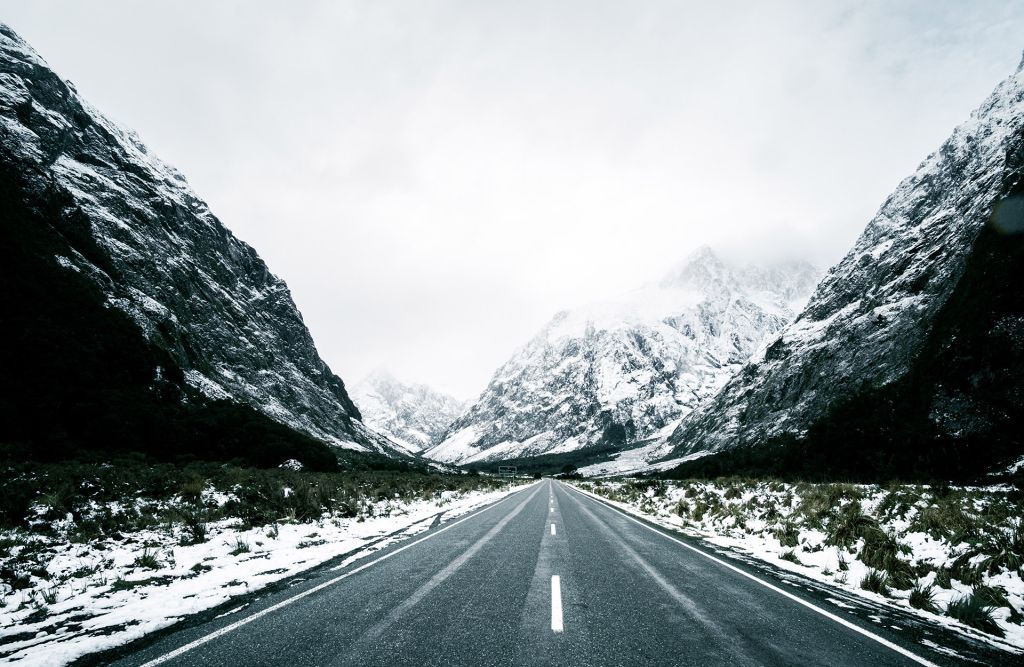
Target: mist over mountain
point(908, 359)
point(739, 462)
point(414, 416)
point(617, 371)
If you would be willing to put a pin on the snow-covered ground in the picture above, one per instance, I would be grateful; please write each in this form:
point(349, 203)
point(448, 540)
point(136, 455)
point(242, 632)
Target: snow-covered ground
point(937, 538)
point(108, 592)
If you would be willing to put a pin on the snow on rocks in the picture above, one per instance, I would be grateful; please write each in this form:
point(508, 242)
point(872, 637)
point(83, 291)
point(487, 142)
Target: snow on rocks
point(414, 416)
point(160, 255)
point(613, 373)
point(871, 314)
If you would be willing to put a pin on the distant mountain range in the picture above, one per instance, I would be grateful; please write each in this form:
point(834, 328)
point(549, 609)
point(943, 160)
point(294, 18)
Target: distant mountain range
point(411, 415)
point(615, 372)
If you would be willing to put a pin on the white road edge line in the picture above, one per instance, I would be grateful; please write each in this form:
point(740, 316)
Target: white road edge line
point(841, 621)
point(284, 603)
point(556, 603)
point(552, 529)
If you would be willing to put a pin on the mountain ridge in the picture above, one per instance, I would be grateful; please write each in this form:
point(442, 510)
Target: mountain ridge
point(616, 371)
point(130, 225)
point(413, 415)
point(872, 332)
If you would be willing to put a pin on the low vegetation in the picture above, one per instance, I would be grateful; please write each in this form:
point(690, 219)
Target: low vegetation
point(923, 598)
point(952, 551)
point(974, 610)
point(90, 501)
point(163, 540)
point(43, 506)
point(876, 581)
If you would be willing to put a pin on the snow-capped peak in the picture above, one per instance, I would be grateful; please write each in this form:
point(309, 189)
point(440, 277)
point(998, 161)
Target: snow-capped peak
point(616, 371)
point(701, 268)
point(888, 333)
point(413, 415)
point(703, 277)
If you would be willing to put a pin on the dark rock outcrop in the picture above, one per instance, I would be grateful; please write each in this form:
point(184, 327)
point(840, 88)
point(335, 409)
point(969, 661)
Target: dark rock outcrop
point(127, 224)
point(907, 360)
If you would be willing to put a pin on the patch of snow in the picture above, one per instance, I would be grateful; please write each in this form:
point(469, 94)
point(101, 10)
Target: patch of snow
point(192, 578)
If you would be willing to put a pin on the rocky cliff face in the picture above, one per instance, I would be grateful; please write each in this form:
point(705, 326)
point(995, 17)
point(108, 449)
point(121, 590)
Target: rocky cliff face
point(618, 371)
point(414, 416)
point(131, 226)
point(909, 349)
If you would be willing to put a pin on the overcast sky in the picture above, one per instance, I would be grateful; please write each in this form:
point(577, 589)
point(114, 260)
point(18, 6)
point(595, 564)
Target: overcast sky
point(435, 179)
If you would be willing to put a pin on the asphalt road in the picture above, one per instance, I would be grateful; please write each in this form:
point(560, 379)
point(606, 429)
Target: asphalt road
point(485, 590)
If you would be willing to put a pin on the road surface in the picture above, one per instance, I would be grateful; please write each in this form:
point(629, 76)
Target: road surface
point(551, 576)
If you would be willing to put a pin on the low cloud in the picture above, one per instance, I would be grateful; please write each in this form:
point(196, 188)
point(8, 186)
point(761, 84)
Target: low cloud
point(435, 179)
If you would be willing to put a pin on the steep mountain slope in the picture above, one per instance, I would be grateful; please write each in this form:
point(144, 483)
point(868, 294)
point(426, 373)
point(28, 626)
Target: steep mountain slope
point(617, 371)
point(127, 230)
point(414, 416)
point(908, 358)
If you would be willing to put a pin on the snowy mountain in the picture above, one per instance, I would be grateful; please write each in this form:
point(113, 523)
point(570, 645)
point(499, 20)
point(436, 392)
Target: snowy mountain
point(618, 371)
point(908, 357)
point(414, 416)
point(109, 214)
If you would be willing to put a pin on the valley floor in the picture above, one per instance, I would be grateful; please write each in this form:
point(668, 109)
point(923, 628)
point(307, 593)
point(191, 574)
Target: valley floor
point(235, 566)
point(553, 576)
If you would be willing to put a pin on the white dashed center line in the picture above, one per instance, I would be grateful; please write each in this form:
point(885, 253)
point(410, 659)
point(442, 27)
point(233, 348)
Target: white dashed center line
point(552, 529)
point(556, 603)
